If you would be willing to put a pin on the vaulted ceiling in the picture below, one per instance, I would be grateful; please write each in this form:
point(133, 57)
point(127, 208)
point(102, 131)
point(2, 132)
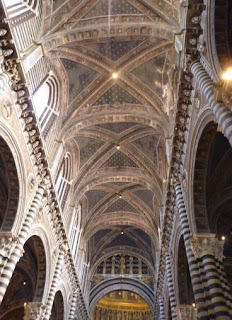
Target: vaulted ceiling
point(116, 127)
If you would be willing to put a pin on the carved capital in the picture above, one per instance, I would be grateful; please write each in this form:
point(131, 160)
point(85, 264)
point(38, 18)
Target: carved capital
point(6, 243)
point(204, 244)
point(32, 310)
point(186, 312)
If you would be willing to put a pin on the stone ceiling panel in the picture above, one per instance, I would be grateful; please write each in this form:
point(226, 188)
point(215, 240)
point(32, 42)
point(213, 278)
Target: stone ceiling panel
point(99, 235)
point(79, 77)
point(117, 127)
point(112, 7)
point(143, 235)
point(146, 196)
point(95, 196)
point(148, 145)
point(114, 50)
point(121, 205)
point(57, 4)
point(88, 147)
point(151, 74)
point(122, 240)
point(116, 95)
point(119, 159)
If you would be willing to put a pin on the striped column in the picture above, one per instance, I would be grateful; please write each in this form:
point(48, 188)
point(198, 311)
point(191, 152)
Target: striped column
point(81, 307)
point(6, 245)
point(205, 247)
point(73, 307)
point(221, 112)
point(224, 283)
point(55, 281)
point(171, 288)
point(161, 309)
point(10, 264)
point(196, 279)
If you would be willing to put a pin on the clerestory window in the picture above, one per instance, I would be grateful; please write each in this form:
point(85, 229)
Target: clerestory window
point(46, 103)
point(21, 10)
point(63, 180)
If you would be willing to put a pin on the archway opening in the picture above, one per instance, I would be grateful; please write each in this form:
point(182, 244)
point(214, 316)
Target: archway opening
point(27, 282)
point(9, 188)
point(219, 196)
point(58, 307)
point(122, 305)
point(213, 189)
point(223, 31)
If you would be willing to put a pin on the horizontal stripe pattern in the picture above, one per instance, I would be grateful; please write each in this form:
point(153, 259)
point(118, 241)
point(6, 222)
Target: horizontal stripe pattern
point(196, 278)
point(221, 112)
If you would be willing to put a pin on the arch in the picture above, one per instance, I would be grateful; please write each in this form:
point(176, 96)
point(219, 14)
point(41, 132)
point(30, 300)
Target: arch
point(204, 158)
point(205, 117)
point(39, 231)
point(28, 281)
point(125, 264)
point(122, 304)
point(115, 284)
point(222, 11)
point(57, 312)
point(7, 136)
point(119, 220)
point(64, 288)
point(107, 176)
point(100, 117)
point(119, 250)
point(46, 100)
point(200, 174)
point(213, 178)
point(9, 187)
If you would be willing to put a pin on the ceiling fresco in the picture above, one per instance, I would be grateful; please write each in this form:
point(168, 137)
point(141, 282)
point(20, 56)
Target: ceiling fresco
point(119, 63)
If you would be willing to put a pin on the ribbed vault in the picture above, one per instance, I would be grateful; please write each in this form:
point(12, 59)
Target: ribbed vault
point(117, 65)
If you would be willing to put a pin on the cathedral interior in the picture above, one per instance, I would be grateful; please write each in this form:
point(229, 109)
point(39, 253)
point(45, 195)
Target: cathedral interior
point(115, 159)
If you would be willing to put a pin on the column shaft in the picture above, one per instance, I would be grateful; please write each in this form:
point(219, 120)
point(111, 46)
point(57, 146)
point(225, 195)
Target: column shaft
point(161, 309)
point(171, 288)
point(214, 287)
point(193, 265)
point(55, 281)
point(73, 307)
point(225, 285)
